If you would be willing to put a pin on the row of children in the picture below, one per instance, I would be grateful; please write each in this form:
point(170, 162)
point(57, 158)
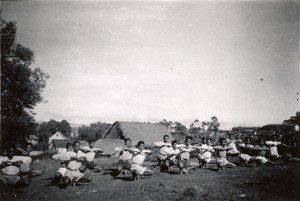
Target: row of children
point(16, 164)
point(263, 152)
point(77, 159)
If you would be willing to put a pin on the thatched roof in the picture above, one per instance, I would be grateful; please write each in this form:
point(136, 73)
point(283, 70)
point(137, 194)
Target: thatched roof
point(136, 131)
point(108, 145)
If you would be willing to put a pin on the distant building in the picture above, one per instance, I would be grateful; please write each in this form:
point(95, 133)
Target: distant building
point(57, 142)
point(136, 131)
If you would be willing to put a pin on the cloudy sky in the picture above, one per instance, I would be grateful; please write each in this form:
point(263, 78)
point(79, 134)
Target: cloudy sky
point(146, 61)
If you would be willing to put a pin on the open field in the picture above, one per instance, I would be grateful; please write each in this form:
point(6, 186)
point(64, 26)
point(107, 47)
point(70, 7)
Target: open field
point(281, 182)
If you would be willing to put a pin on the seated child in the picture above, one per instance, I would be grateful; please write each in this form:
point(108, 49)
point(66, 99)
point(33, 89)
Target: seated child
point(165, 142)
point(10, 166)
point(206, 151)
point(272, 144)
point(25, 167)
point(222, 154)
point(261, 154)
point(91, 152)
point(64, 159)
point(232, 143)
point(172, 153)
point(164, 145)
point(75, 168)
point(246, 149)
point(139, 155)
point(125, 156)
point(184, 155)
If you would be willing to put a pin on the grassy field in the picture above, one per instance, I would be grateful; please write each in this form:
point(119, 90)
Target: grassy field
point(281, 182)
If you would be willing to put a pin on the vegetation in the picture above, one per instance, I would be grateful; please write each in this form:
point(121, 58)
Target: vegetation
point(93, 132)
point(293, 119)
point(21, 86)
point(46, 129)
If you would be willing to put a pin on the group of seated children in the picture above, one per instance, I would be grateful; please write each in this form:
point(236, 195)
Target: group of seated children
point(74, 163)
point(263, 152)
point(179, 154)
point(131, 159)
point(10, 163)
point(76, 159)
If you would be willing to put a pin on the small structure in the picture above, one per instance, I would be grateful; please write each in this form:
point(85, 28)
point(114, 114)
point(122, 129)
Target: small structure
point(58, 146)
point(57, 136)
point(137, 131)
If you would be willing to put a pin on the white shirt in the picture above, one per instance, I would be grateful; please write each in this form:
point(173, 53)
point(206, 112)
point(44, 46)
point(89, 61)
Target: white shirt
point(273, 147)
point(91, 152)
point(11, 169)
point(186, 152)
point(246, 145)
point(206, 151)
point(125, 155)
point(161, 144)
point(232, 144)
point(73, 164)
point(140, 157)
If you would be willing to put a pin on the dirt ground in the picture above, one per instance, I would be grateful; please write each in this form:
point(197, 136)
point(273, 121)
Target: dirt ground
point(281, 182)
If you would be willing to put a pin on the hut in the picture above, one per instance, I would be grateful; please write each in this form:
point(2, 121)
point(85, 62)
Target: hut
point(108, 146)
point(57, 136)
point(137, 131)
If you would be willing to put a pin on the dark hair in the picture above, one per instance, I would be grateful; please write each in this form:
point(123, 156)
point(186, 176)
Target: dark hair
point(221, 139)
point(188, 137)
point(90, 141)
point(69, 144)
point(174, 141)
point(203, 138)
point(139, 143)
point(230, 134)
point(127, 139)
point(247, 138)
point(28, 144)
point(274, 135)
point(258, 140)
point(75, 142)
point(11, 146)
point(166, 136)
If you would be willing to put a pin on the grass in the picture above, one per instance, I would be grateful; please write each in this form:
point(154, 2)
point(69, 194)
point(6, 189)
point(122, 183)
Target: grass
point(280, 182)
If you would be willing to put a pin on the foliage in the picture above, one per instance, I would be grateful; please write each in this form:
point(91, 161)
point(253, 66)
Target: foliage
point(21, 86)
point(213, 125)
point(93, 132)
point(293, 119)
point(195, 127)
point(166, 123)
point(46, 129)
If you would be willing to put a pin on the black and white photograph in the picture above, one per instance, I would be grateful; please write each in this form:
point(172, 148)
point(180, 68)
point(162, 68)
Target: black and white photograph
point(150, 100)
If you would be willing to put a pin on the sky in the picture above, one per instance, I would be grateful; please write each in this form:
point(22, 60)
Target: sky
point(148, 61)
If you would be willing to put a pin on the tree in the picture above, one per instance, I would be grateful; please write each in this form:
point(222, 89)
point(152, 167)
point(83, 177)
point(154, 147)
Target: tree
point(46, 129)
point(195, 127)
point(166, 123)
point(214, 125)
point(21, 86)
point(93, 132)
point(293, 119)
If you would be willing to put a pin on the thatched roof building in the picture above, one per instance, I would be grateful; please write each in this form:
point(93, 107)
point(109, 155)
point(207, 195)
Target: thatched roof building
point(108, 146)
point(136, 131)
